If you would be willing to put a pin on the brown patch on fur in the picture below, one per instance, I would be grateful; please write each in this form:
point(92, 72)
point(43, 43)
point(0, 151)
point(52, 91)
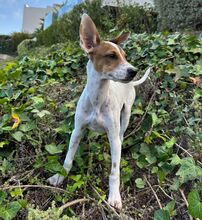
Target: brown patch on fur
point(102, 57)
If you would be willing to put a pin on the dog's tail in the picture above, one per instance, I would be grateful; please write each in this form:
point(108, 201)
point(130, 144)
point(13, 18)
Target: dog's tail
point(140, 81)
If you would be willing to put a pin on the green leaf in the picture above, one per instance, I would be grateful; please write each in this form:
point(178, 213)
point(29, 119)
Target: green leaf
point(161, 214)
point(102, 198)
point(170, 207)
point(189, 170)
point(147, 123)
point(16, 192)
point(3, 143)
point(54, 166)
point(18, 135)
point(2, 196)
point(140, 183)
point(53, 149)
point(175, 160)
point(10, 211)
point(126, 173)
point(170, 143)
point(195, 205)
point(28, 126)
point(42, 113)
point(38, 102)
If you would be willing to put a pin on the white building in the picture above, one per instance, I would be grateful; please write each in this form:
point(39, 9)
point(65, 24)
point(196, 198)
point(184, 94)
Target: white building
point(32, 18)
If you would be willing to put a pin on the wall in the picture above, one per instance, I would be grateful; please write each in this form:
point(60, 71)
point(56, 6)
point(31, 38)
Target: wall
point(32, 18)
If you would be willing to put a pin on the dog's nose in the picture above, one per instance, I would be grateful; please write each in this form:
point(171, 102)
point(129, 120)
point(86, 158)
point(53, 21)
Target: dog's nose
point(131, 72)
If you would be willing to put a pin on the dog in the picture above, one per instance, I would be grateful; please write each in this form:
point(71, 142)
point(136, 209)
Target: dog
point(106, 101)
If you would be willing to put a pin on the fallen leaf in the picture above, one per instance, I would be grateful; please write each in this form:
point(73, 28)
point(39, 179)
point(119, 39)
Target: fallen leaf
point(16, 119)
point(195, 80)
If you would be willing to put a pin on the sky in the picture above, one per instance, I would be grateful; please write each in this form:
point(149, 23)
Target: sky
point(11, 13)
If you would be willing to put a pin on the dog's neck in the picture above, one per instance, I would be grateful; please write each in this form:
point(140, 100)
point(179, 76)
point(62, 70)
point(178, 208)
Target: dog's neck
point(97, 87)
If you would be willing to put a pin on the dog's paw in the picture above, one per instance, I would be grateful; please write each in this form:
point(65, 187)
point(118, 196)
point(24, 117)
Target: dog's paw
point(115, 200)
point(55, 180)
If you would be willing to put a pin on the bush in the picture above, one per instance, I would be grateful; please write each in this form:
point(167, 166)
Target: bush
point(17, 38)
point(177, 15)
point(6, 44)
point(24, 47)
point(136, 18)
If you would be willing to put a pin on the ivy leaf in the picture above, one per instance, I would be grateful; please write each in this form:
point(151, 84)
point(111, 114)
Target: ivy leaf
point(10, 211)
point(2, 143)
point(43, 113)
point(170, 207)
point(53, 149)
point(18, 135)
point(175, 160)
point(140, 183)
point(189, 170)
point(195, 206)
point(16, 192)
point(28, 126)
point(2, 196)
point(170, 143)
point(147, 123)
point(161, 214)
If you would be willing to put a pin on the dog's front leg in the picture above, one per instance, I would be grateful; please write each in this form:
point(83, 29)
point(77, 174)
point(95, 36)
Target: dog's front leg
point(114, 178)
point(73, 146)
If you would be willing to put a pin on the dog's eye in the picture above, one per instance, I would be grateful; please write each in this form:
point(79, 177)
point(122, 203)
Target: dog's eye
point(112, 56)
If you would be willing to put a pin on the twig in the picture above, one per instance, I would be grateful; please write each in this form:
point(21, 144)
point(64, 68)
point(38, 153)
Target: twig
point(72, 203)
point(185, 120)
point(185, 200)
point(33, 186)
point(103, 214)
point(143, 117)
point(157, 199)
point(167, 58)
point(110, 207)
point(187, 152)
point(165, 192)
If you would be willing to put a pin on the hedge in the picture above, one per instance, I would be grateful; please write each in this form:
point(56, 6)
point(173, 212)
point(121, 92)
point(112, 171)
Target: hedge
point(9, 43)
point(177, 15)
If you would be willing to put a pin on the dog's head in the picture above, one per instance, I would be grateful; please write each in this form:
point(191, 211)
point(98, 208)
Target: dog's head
point(108, 57)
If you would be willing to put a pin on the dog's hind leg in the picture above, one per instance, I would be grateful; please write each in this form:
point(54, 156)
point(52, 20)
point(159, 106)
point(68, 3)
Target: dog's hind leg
point(124, 120)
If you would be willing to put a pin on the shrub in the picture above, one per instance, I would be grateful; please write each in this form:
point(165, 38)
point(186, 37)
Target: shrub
point(6, 44)
point(136, 18)
point(17, 38)
point(24, 47)
point(176, 15)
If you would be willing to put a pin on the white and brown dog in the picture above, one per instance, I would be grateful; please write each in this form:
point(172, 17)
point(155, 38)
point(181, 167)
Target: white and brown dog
point(106, 101)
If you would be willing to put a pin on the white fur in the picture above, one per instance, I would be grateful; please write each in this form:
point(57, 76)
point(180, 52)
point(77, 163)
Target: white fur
point(104, 105)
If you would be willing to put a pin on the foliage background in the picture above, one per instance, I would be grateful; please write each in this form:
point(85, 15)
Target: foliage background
point(175, 15)
point(8, 44)
point(161, 165)
point(161, 151)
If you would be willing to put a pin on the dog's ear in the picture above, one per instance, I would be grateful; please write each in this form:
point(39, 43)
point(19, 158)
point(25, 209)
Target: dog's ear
point(89, 37)
point(121, 38)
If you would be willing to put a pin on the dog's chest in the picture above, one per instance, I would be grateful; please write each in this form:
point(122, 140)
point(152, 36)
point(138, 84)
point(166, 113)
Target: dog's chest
point(95, 121)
